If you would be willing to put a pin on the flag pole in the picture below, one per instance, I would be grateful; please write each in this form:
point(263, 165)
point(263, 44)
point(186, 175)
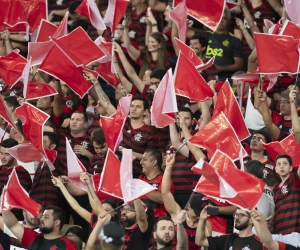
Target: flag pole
point(247, 206)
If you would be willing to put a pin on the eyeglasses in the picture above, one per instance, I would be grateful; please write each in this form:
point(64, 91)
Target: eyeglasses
point(240, 215)
point(284, 102)
point(126, 210)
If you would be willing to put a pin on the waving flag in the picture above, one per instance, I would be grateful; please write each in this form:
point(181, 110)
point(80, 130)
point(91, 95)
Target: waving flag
point(33, 120)
point(189, 83)
point(208, 13)
point(179, 16)
point(268, 47)
point(90, 9)
point(228, 182)
point(189, 53)
point(11, 67)
point(15, 196)
point(287, 146)
point(218, 134)
point(227, 104)
point(44, 31)
point(112, 126)
point(22, 16)
point(207, 65)
point(114, 13)
point(25, 76)
point(110, 177)
point(106, 47)
point(290, 29)
point(164, 105)
point(25, 152)
point(132, 189)
point(38, 90)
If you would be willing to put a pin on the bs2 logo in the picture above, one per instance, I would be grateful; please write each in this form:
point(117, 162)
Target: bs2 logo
point(214, 52)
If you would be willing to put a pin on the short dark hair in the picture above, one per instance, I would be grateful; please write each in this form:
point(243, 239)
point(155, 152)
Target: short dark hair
point(186, 109)
point(114, 231)
point(156, 155)
point(76, 230)
point(143, 99)
point(284, 156)
point(202, 40)
point(85, 117)
point(272, 180)
point(12, 101)
point(255, 168)
point(58, 214)
point(53, 138)
point(158, 73)
point(73, 6)
point(160, 219)
point(265, 134)
point(9, 143)
point(285, 94)
point(98, 137)
point(79, 23)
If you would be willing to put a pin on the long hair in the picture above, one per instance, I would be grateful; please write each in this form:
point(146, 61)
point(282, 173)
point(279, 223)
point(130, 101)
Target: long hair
point(162, 55)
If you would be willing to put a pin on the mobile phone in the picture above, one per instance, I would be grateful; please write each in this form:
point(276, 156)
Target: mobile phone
point(212, 210)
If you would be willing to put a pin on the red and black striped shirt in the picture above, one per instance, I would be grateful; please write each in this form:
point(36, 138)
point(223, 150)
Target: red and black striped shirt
point(287, 209)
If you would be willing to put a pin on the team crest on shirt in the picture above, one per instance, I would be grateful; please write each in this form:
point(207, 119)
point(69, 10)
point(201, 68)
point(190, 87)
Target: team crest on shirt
point(69, 104)
point(138, 137)
point(284, 189)
point(155, 185)
point(257, 14)
point(246, 248)
point(131, 34)
point(129, 131)
point(59, 2)
point(85, 144)
point(225, 43)
point(54, 247)
point(142, 19)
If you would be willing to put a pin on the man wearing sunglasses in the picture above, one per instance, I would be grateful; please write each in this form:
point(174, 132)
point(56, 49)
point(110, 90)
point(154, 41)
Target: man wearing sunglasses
point(244, 240)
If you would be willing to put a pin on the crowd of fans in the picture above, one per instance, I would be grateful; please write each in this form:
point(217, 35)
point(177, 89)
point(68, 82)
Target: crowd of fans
point(173, 216)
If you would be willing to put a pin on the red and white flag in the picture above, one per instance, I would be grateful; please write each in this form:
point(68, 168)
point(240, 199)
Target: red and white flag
point(227, 182)
point(208, 13)
point(33, 120)
point(218, 134)
point(38, 90)
point(290, 29)
point(188, 81)
point(207, 65)
point(25, 152)
point(164, 105)
point(179, 16)
point(44, 31)
point(104, 71)
point(228, 104)
point(114, 13)
point(132, 189)
point(113, 125)
point(15, 196)
point(110, 178)
point(12, 67)
point(62, 29)
point(292, 9)
point(287, 146)
point(25, 76)
point(106, 47)
point(89, 9)
point(268, 47)
point(189, 53)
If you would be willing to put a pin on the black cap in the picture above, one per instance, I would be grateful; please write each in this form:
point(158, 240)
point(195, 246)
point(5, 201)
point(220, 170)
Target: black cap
point(197, 204)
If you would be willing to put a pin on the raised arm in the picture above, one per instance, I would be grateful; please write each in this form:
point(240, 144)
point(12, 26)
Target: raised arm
point(294, 115)
point(70, 199)
point(6, 38)
point(244, 32)
point(124, 81)
point(157, 5)
point(141, 215)
point(13, 225)
point(175, 140)
point(57, 103)
point(248, 16)
point(169, 202)
point(200, 238)
point(182, 237)
point(132, 51)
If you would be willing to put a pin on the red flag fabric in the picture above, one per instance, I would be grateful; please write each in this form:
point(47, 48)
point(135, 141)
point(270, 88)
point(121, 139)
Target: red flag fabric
point(21, 15)
point(132, 189)
point(25, 152)
point(290, 29)
point(205, 66)
point(33, 120)
point(90, 9)
point(65, 70)
point(11, 67)
point(15, 196)
point(208, 13)
point(287, 146)
point(75, 167)
point(189, 53)
point(113, 125)
point(230, 184)
point(62, 29)
point(268, 47)
point(45, 30)
point(110, 177)
point(218, 134)
point(114, 13)
point(79, 47)
point(104, 46)
point(228, 104)
point(189, 83)
point(38, 90)
point(25, 76)
point(104, 70)
point(164, 103)
point(179, 15)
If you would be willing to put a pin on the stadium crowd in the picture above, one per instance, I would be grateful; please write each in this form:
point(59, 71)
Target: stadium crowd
point(174, 216)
